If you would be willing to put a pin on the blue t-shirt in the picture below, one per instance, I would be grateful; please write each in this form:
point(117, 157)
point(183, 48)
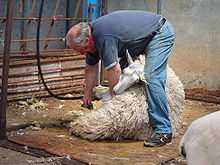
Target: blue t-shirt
point(121, 30)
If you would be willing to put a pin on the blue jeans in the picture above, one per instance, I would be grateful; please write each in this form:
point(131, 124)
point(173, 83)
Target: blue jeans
point(156, 55)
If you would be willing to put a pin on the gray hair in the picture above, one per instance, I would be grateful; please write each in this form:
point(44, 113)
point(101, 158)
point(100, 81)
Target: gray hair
point(82, 34)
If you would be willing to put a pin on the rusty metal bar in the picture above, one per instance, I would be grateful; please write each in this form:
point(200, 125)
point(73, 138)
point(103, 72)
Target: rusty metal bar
point(77, 91)
point(51, 71)
point(23, 55)
point(47, 51)
point(67, 15)
point(21, 12)
point(45, 39)
point(45, 55)
point(32, 10)
point(58, 18)
point(31, 62)
point(51, 24)
point(32, 56)
point(3, 103)
point(77, 8)
point(25, 28)
point(52, 86)
point(35, 81)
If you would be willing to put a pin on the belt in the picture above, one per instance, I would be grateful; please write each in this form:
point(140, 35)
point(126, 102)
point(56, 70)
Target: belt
point(161, 23)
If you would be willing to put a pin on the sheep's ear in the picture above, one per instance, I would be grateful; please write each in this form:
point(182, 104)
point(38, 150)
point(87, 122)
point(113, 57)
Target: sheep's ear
point(129, 58)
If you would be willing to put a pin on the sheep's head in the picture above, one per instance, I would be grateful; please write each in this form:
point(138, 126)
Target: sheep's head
point(130, 75)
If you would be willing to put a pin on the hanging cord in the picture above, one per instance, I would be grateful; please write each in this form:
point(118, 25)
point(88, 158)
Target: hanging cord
point(38, 59)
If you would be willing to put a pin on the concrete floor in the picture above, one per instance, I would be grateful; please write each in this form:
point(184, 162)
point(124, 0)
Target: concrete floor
point(18, 114)
point(10, 157)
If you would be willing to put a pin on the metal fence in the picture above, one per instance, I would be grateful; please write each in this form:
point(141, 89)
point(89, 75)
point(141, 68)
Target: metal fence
point(63, 69)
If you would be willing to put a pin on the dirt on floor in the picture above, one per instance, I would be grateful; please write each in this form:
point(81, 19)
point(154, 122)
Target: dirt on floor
point(38, 126)
point(10, 157)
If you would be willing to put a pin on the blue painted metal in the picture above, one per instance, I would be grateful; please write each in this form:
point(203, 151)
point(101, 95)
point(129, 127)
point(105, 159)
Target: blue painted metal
point(91, 9)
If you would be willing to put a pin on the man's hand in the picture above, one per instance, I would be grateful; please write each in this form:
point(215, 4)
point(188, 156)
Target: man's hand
point(91, 74)
point(127, 79)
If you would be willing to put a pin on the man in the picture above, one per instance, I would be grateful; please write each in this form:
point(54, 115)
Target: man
point(139, 32)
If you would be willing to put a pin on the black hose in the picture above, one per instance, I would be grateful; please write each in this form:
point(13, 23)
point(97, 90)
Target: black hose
point(38, 59)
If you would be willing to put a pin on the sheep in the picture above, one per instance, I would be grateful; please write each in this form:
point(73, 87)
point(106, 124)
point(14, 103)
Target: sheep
point(125, 116)
point(201, 142)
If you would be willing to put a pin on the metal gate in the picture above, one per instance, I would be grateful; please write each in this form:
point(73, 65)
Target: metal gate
point(63, 69)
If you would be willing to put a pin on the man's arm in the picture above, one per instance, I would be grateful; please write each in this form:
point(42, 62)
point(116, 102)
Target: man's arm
point(91, 78)
point(113, 75)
